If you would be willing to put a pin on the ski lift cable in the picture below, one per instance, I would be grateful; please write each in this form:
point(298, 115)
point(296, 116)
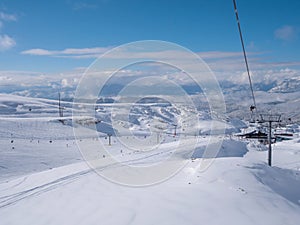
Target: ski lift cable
point(245, 55)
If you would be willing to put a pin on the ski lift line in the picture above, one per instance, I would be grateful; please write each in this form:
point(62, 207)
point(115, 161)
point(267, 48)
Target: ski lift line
point(244, 51)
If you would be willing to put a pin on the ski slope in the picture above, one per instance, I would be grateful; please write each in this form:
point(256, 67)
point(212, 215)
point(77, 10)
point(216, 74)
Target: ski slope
point(232, 190)
point(45, 180)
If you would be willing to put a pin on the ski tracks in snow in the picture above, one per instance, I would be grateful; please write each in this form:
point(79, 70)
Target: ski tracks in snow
point(10, 199)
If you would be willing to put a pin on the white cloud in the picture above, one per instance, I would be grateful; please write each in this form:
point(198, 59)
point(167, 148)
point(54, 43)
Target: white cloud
point(218, 54)
point(37, 51)
point(6, 42)
point(8, 17)
point(82, 51)
point(224, 64)
point(286, 33)
point(97, 51)
point(69, 52)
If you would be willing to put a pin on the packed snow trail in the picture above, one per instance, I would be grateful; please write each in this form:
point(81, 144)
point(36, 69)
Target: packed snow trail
point(232, 190)
point(36, 190)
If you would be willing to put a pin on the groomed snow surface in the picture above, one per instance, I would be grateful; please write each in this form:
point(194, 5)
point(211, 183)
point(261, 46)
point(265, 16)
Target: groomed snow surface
point(44, 180)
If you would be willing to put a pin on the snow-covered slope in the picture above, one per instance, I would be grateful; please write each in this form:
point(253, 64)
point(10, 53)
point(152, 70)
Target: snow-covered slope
point(287, 86)
point(44, 180)
point(234, 190)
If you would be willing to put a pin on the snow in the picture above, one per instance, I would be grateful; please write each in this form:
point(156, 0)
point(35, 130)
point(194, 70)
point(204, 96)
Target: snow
point(227, 193)
point(30, 145)
point(44, 179)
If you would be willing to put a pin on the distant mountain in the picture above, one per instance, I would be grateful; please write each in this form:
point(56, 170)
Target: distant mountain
point(287, 86)
point(278, 92)
point(272, 95)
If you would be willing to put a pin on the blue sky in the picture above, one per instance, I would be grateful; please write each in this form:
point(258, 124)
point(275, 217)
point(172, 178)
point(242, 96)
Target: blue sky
point(60, 35)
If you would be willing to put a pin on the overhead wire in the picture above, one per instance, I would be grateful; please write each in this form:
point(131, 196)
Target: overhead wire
point(252, 107)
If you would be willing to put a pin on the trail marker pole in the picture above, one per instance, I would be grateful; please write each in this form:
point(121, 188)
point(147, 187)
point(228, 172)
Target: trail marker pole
point(60, 108)
point(109, 139)
point(175, 127)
